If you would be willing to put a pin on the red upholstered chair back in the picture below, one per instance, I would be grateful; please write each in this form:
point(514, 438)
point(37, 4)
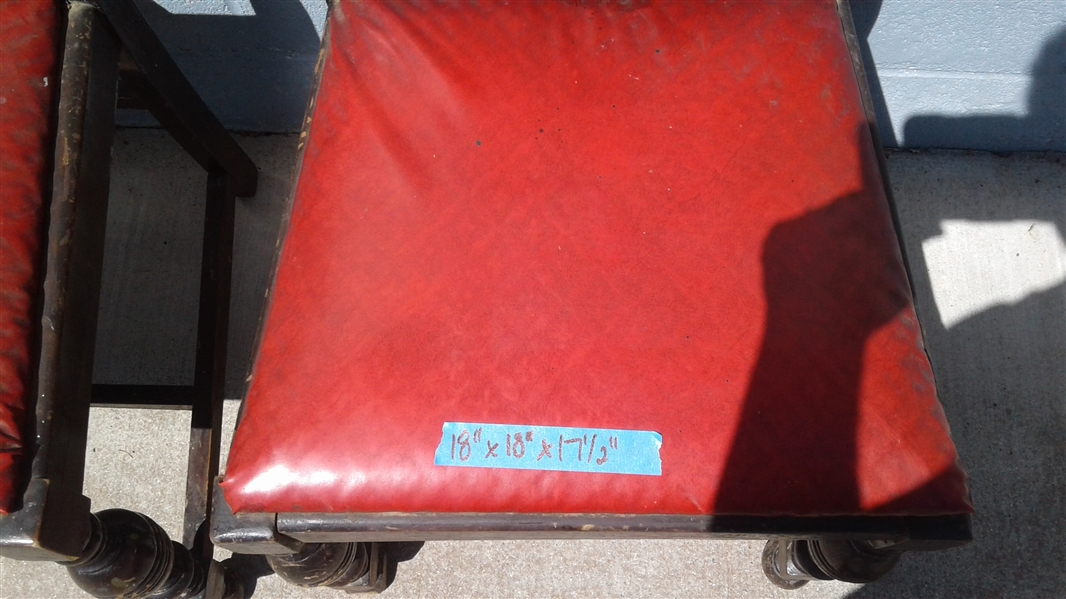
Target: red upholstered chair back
point(29, 49)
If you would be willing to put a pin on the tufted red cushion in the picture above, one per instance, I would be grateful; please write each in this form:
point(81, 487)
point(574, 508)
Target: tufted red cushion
point(637, 218)
point(28, 59)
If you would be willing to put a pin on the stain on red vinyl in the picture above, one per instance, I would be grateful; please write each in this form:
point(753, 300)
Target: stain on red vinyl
point(28, 59)
point(658, 216)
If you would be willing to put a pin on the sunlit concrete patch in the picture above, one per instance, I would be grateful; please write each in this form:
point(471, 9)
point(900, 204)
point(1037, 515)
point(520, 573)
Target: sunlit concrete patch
point(974, 266)
point(237, 8)
point(316, 9)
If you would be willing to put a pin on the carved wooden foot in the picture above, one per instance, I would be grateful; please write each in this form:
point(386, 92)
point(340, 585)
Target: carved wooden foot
point(792, 563)
point(352, 567)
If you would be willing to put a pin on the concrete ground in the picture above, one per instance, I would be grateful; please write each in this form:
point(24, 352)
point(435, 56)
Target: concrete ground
point(985, 241)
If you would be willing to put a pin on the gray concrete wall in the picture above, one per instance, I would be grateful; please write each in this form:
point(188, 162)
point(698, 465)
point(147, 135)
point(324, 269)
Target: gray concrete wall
point(984, 74)
point(970, 74)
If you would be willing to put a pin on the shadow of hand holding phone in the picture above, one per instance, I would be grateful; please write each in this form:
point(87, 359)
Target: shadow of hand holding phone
point(828, 278)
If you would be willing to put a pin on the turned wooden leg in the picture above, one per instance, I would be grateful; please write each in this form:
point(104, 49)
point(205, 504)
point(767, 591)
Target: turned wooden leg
point(130, 556)
point(792, 563)
point(352, 567)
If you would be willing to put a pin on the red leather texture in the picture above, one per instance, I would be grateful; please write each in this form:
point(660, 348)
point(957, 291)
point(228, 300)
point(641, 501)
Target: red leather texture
point(28, 59)
point(655, 216)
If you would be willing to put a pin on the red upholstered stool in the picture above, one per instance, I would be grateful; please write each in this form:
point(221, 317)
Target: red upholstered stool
point(591, 269)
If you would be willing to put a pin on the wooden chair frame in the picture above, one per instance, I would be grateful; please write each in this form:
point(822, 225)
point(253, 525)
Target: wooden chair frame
point(112, 59)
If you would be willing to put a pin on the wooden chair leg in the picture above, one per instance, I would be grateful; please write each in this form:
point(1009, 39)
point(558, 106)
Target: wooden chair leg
point(351, 567)
point(211, 338)
point(792, 563)
point(129, 555)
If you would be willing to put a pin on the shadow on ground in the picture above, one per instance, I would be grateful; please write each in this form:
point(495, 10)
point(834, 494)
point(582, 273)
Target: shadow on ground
point(1001, 375)
point(253, 71)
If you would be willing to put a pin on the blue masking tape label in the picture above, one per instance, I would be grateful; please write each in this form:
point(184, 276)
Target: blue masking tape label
point(523, 447)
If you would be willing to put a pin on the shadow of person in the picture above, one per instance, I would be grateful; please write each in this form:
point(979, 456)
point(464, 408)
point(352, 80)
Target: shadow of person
point(1046, 114)
point(254, 71)
point(832, 277)
point(1043, 126)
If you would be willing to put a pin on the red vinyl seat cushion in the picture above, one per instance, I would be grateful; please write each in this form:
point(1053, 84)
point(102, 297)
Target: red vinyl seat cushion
point(28, 57)
point(639, 220)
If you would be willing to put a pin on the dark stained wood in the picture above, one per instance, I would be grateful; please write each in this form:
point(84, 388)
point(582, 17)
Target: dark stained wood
point(129, 555)
point(210, 378)
point(910, 532)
